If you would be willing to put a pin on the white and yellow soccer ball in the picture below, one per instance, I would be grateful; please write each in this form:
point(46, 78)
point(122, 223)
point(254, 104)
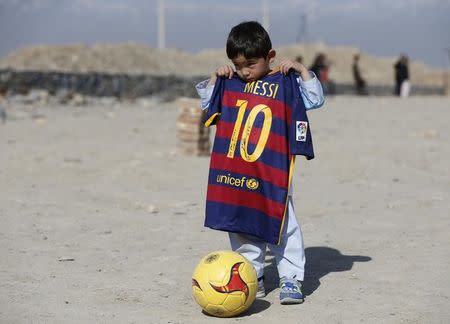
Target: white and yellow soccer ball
point(224, 284)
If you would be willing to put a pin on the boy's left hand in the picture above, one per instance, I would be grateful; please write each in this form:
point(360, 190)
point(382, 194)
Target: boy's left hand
point(286, 65)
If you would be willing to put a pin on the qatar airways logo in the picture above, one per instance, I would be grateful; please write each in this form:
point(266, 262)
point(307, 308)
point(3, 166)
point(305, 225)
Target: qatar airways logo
point(228, 179)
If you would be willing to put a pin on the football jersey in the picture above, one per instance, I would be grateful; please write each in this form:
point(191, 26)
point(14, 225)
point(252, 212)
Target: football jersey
point(260, 126)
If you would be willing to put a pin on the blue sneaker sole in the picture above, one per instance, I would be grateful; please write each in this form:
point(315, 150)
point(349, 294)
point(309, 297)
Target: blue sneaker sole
point(291, 301)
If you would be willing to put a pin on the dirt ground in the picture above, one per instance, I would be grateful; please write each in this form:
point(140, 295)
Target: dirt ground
point(102, 222)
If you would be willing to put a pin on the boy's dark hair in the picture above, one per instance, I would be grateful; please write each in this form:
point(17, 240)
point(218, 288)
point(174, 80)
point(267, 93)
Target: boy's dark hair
point(249, 39)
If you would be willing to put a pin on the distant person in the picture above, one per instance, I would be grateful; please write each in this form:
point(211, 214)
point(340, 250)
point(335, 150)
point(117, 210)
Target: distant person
point(360, 83)
point(401, 69)
point(249, 195)
point(3, 115)
point(321, 68)
point(299, 59)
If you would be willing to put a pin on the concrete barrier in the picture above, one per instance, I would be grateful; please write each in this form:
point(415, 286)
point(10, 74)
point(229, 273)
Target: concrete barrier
point(98, 84)
point(123, 86)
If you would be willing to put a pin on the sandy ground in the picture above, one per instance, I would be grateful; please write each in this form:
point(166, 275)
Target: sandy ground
point(101, 222)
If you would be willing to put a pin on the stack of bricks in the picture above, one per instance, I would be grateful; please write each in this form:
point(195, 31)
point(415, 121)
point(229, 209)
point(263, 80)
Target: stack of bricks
point(192, 135)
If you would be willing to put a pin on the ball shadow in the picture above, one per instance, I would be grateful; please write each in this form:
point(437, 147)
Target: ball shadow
point(258, 306)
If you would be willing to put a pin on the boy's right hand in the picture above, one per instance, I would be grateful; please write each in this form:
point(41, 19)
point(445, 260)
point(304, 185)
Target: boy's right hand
point(225, 71)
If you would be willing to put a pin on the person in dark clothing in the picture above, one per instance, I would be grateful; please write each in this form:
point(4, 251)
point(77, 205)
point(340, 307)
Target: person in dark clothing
point(360, 83)
point(321, 67)
point(401, 76)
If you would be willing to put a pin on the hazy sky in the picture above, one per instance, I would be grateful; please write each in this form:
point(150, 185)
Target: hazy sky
point(419, 28)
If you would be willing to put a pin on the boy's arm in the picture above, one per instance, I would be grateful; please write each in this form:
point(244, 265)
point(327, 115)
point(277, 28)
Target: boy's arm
point(205, 90)
point(311, 92)
point(310, 86)
point(206, 87)
point(310, 89)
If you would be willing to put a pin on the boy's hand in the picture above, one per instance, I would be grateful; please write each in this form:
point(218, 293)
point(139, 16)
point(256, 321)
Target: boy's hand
point(225, 71)
point(298, 67)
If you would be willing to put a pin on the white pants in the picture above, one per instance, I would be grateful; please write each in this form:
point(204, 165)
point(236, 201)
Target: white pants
point(289, 254)
point(405, 88)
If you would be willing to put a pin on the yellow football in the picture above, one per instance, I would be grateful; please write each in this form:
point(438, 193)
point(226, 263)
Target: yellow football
point(224, 284)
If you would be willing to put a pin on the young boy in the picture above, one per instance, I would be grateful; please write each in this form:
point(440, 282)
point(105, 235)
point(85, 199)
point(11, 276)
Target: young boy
point(261, 121)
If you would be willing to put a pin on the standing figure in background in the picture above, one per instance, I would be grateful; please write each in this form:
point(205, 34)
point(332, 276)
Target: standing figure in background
point(360, 83)
point(402, 85)
point(321, 68)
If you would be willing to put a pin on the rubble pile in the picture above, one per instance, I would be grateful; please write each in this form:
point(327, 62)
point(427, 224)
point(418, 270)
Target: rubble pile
point(138, 59)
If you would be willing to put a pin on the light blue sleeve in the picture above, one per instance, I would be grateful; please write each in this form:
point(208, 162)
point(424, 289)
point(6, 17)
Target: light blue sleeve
point(312, 92)
point(205, 92)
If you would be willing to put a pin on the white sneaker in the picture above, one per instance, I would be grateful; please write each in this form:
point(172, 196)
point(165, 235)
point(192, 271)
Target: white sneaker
point(261, 292)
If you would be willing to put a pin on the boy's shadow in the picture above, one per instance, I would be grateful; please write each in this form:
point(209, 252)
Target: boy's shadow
point(320, 261)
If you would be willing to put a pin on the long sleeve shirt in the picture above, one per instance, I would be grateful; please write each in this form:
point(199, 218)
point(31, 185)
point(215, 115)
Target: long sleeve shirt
point(311, 92)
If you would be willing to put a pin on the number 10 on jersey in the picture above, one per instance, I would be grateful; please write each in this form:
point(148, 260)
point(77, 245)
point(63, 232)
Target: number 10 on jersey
point(265, 131)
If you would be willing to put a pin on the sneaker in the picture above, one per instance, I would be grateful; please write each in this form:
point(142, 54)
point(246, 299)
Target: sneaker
point(291, 291)
point(261, 292)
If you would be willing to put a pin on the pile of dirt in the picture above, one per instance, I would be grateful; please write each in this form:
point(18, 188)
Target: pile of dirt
point(133, 58)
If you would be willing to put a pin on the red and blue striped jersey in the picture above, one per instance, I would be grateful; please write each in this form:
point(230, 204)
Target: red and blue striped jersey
point(261, 125)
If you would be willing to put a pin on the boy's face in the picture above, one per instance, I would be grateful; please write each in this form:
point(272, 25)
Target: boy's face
point(251, 69)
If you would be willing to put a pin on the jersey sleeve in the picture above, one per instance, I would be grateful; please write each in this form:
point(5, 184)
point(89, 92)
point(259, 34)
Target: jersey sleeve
point(300, 139)
point(214, 109)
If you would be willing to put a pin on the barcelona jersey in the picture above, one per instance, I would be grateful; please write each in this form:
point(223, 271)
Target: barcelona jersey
point(260, 127)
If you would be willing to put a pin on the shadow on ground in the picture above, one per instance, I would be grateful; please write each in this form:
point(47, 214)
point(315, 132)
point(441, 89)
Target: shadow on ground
point(320, 261)
point(258, 306)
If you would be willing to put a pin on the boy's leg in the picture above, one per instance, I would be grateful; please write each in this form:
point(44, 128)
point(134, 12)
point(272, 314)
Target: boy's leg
point(250, 247)
point(290, 254)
